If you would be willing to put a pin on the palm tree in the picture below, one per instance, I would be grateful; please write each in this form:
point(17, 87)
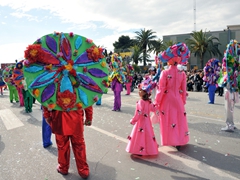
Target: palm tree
point(136, 55)
point(144, 40)
point(166, 44)
point(200, 42)
point(157, 46)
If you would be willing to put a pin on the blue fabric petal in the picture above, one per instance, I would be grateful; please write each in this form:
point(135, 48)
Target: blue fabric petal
point(78, 42)
point(83, 97)
point(66, 84)
point(43, 79)
point(34, 69)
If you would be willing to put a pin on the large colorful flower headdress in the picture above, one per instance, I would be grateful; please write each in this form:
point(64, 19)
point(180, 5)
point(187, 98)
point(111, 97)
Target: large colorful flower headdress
point(18, 74)
point(65, 71)
point(7, 74)
point(117, 70)
point(176, 54)
point(231, 64)
point(147, 85)
point(212, 71)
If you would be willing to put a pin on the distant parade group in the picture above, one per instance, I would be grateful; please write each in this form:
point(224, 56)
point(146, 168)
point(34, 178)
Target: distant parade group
point(67, 74)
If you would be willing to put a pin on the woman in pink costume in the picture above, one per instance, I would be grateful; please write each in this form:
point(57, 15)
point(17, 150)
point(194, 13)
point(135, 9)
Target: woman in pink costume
point(171, 98)
point(142, 139)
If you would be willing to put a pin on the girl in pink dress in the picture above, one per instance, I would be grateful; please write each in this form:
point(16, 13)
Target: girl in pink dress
point(142, 139)
point(171, 98)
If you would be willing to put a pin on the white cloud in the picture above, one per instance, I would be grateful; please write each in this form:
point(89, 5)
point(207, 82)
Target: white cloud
point(11, 52)
point(24, 15)
point(165, 17)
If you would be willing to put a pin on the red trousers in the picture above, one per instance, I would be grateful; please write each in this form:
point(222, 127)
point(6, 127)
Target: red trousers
point(79, 150)
point(68, 128)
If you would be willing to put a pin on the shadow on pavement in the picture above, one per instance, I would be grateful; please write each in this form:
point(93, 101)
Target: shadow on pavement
point(226, 162)
point(182, 175)
point(214, 129)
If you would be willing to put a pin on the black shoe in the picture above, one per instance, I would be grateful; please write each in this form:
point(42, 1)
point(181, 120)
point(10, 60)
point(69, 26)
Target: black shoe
point(178, 148)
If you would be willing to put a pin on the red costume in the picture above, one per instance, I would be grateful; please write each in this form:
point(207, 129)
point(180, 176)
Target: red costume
point(68, 126)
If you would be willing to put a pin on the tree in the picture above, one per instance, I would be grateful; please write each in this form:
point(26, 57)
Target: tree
point(200, 43)
point(166, 44)
point(157, 46)
point(136, 54)
point(123, 44)
point(144, 40)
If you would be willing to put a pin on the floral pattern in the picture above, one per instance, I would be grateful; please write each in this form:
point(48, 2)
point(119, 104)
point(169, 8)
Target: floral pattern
point(212, 71)
point(232, 66)
point(65, 71)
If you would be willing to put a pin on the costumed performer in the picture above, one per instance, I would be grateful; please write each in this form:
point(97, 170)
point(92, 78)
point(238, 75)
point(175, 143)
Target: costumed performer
point(152, 71)
point(171, 97)
point(129, 78)
point(142, 140)
point(88, 112)
point(17, 79)
point(7, 77)
point(66, 73)
point(159, 68)
point(2, 83)
point(211, 74)
point(28, 98)
point(231, 85)
point(220, 81)
point(46, 132)
point(117, 78)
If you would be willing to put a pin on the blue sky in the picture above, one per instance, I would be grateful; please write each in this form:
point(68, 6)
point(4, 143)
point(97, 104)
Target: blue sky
point(23, 21)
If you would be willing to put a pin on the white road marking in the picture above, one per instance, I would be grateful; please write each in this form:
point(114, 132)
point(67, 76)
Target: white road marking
point(9, 119)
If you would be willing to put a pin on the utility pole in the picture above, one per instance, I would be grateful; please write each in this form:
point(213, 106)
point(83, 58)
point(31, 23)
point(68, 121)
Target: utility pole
point(194, 14)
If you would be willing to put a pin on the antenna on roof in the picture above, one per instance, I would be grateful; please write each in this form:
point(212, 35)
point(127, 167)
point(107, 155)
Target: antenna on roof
point(194, 14)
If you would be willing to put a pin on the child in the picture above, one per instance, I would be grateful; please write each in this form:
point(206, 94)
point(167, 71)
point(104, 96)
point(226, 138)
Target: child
point(142, 139)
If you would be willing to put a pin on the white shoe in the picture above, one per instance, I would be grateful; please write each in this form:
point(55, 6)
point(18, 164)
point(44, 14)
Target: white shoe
point(227, 129)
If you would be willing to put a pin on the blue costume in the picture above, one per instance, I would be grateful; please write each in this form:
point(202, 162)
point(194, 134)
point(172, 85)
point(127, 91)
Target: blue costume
point(211, 75)
point(46, 133)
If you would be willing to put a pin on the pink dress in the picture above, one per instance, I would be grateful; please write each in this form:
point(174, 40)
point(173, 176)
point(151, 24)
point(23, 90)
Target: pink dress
point(142, 139)
point(171, 98)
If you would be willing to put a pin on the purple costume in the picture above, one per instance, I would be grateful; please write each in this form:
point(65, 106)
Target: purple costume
point(116, 88)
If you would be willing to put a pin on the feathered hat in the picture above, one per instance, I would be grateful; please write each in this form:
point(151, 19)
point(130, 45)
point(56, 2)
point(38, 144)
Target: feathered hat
point(147, 85)
point(178, 53)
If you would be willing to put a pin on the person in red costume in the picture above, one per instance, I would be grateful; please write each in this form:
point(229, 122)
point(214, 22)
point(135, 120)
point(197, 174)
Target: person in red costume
point(68, 127)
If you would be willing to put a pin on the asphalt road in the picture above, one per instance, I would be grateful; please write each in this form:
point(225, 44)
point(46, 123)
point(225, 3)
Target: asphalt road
point(210, 154)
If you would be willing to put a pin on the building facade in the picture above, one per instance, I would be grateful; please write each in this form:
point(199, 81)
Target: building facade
point(224, 36)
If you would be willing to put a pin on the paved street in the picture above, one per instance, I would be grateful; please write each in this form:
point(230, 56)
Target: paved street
point(210, 154)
